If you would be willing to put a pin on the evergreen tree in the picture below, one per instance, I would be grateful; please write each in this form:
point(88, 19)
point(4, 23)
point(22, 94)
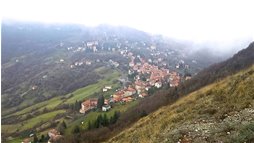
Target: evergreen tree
point(111, 120)
point(151, 90)
point(89, 125)
point(76, 129)
point(76, 106)
point(72, 106)
point(143, 113)
point(98, 122)
point(105, 120)
point(61, 127)
point(100, 102)
point(115, 117)
point(47, 137)
point(64, 125)
point(35, 138)
point(42, 139)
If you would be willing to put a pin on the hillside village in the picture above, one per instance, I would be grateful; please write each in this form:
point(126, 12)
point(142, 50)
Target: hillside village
point(145, 76)
point(141, 67)
point(118, 71)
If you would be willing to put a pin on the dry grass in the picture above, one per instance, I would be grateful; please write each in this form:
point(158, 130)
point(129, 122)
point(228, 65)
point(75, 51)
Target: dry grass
point(209, 104)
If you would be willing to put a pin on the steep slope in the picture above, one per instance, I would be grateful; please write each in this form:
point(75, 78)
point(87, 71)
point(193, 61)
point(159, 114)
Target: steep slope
point(240, 61)
point(222, 111)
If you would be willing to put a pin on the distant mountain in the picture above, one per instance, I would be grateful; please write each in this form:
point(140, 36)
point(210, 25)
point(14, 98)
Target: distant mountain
point(19, 38)
point(220, 112)
point(242, 60)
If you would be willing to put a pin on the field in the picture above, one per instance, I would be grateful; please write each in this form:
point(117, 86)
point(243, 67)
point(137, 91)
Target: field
point(30, 123)
point(109, 77)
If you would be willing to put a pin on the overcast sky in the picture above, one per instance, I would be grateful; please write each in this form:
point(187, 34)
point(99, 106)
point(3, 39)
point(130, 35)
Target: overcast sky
point(196, 20)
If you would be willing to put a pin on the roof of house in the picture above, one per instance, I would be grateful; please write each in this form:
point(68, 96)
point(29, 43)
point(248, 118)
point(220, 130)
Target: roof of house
point(54, 131)
point(144, 94)
point(119, 93)
point(130, 89)
point(90, 101)
point(139, 83)
point(106, 106)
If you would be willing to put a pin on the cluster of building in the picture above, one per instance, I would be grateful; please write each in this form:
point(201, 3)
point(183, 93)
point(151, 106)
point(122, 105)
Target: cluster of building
point(114, 63)
point(80, 63)
point(92, 103)
point(92, 46)
point(155, 76)
point(54, 136)
point(124, 95)
point(146, 77)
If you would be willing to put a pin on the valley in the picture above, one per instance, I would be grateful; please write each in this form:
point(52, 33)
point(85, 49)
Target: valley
point(36, 97)
point(72, 83)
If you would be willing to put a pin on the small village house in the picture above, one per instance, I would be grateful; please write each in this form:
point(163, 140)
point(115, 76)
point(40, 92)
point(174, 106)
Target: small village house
point(127, 99)
point(129, 92)
point(158, 84)
point(88, 105)
point(142, 95)
point(54, 135)
point(105, 108)
point(104, 89)
point(27, 140)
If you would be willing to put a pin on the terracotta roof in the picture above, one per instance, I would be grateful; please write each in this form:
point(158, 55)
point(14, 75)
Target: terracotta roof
point(119, 93)
point(131, 89)
point(26, 140)
point(144, 94)
point(90, 102)
point(54, 131)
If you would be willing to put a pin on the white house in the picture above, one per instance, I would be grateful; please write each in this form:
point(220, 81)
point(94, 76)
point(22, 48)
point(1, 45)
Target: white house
point(108, 87)
point(158, 84)
point(104, 89)
point(105, 108)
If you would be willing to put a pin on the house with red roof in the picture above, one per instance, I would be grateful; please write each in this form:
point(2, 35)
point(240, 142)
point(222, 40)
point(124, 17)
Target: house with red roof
point(127, 99)
point(54, 136)
point(88, 105)
point(142, 95)
point(129, 92)
point(118, 96)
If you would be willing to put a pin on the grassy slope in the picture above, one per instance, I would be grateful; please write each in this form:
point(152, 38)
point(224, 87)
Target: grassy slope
point(91, 89)
point(93, 115)
point(30, 123)
point(27, 101)
point(78, 95)
point(109, 76)
point(222, 111)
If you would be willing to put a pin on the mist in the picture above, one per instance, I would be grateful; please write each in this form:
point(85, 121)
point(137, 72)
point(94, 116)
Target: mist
point(217, 27)
point(221, 49)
